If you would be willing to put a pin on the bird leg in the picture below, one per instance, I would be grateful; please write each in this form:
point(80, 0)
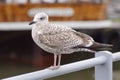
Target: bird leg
point(55, 65)
point(59, 59)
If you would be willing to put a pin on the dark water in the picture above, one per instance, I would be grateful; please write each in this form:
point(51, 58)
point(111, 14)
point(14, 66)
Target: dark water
point(10, 69)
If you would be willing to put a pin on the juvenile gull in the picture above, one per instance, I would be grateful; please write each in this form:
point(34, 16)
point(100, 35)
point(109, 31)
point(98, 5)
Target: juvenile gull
point(59, 39)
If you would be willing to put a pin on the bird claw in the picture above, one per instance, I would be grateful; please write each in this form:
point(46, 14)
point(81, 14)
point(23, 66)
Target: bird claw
point(54, 67)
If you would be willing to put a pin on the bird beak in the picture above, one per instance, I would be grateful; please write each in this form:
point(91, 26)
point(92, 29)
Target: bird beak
point(33, 22)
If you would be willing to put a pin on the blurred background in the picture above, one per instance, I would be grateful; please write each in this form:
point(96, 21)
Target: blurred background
point(19, 54)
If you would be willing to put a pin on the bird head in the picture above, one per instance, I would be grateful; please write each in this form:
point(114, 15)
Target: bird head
point(40, 17)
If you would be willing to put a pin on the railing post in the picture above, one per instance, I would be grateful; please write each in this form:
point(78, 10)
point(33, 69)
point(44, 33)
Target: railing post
point(104, 71)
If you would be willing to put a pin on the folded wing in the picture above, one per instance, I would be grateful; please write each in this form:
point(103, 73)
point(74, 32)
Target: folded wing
point(65, 38)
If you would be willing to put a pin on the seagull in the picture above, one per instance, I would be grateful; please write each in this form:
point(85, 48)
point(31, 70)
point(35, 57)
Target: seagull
point(60, 39)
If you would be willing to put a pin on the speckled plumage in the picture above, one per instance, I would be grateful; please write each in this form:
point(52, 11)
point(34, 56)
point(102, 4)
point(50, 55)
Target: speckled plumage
point(59, 39)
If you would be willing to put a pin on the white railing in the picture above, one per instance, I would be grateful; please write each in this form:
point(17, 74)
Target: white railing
point(73, 24)
point(102, 62)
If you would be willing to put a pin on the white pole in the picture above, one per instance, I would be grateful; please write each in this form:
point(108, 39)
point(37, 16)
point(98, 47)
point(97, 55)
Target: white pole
point(104, 71)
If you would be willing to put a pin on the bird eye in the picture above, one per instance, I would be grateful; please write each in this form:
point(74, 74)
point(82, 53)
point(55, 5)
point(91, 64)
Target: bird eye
point(42, 18)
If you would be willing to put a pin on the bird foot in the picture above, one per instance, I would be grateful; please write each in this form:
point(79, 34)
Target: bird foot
point(54, 67)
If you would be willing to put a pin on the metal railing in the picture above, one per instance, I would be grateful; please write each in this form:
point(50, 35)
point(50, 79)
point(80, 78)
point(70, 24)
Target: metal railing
point(102, 62)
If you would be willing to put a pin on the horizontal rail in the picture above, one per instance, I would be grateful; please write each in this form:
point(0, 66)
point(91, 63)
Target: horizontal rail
point(74, 24)
point(68, 68)
point(65, 69)
point(116, 56)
